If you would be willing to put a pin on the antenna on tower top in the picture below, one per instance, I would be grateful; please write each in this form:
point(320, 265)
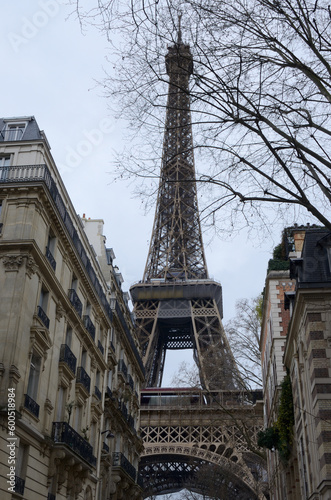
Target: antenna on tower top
point(179, 28)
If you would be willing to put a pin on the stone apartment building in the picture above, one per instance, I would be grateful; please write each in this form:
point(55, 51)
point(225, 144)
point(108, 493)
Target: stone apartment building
point(295, 337)
point(308, 357)
point(70, 370)
point(276, 317)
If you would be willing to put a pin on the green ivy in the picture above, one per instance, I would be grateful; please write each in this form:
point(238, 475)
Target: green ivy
point(280, 435)
point(285, 419)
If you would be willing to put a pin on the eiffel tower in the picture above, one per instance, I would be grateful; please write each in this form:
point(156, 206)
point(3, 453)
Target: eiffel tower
point(177, 306)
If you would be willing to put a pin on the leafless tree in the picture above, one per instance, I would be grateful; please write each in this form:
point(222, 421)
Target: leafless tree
point(243, 332)
point(260, 94)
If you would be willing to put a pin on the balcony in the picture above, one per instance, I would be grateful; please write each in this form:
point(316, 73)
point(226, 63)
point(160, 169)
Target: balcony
point(109, 393)
point(101, 348)
point(31, 405)
point(67, 357)
point(89, 325)
point(19, 485)
point(119, 460)
point(50, 258)
point(97, 392)
point(63, 433)
point(83, 379)
point(42, 315)
point(75, 301)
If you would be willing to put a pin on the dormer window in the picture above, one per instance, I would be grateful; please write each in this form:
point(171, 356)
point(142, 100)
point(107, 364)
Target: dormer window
point(14, 131)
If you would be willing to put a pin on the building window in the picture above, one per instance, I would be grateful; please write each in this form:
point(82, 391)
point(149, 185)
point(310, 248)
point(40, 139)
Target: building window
point(21, 466)
point(68, 336)
point(42, 306)
point(84, 359)
point(50, 249)
point(14, 131)
point(4, 167)
point(110, 379)
point(78, 418)
point(32, 390)
point(61, 399)
point(92, 434)
point(4, 161)
point(329, 257)
point(74, 283)
point(1, 224)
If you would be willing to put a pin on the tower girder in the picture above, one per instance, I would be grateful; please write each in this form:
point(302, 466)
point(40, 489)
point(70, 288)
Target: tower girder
point(177, 306)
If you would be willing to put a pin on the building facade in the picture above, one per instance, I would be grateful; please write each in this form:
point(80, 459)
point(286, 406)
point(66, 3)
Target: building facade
point(70, 367)
point(308, 357)
point(279, 287)
point(295, 340)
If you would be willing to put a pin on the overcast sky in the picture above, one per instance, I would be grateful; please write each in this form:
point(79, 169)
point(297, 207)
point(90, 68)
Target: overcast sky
point(50, 71)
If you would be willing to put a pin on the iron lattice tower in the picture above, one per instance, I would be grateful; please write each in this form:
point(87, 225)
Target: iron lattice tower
point(186, 432)
point(176, 305)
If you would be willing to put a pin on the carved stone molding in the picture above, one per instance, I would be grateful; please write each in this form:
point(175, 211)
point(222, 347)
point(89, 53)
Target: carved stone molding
point(59, 313)
point(12, 262)
point(31, 266)
point(93, 363)
point(14, 374)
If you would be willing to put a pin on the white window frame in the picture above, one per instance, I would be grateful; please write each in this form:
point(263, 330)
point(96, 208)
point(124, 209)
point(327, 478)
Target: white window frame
point(14, 131)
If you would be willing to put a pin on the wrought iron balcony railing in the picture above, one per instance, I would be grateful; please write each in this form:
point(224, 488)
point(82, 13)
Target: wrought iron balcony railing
point(101, 348)
point(19, 485)
point(89, 325)
point(97, 392)
point(75, 301)
point(122, 368)
point(63, 433)
point(50, 258)
point(31, 405)
point(109, 393)
point(119, 460)
point(68, 357)
point(83, 378)
point(43, 316)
